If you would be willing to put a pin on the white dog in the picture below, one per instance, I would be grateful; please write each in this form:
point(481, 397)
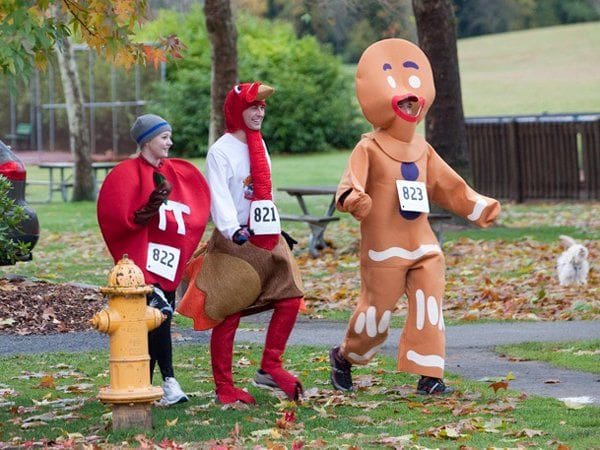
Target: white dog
point(572, 265)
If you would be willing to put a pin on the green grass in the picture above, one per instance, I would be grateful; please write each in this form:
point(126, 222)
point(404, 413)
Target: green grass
point(541, 233)
point(581, 355)
point(552, 70)
point(385, 408)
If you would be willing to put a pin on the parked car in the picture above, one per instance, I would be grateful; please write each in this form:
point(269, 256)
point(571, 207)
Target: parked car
point(29, 229)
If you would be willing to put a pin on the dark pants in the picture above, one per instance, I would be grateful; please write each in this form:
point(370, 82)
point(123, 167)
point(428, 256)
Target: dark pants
point(160, 347)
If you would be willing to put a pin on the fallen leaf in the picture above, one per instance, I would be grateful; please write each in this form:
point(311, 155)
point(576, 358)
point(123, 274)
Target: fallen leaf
point(499, 385)
point(172, 423)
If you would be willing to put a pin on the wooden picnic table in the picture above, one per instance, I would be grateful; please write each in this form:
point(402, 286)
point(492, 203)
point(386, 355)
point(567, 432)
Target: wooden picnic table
point(59, 179)
point(317, 223)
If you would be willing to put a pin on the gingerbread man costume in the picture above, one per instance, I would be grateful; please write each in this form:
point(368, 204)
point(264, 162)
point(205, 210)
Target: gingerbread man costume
point(391, 175)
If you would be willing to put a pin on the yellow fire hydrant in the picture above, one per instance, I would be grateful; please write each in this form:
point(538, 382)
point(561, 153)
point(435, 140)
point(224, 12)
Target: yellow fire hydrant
point(127, 321)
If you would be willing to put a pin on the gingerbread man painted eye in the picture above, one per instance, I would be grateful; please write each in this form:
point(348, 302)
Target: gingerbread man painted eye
point(414, 81)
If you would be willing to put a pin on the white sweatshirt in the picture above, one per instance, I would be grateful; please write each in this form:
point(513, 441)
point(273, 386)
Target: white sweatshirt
point(227, 168)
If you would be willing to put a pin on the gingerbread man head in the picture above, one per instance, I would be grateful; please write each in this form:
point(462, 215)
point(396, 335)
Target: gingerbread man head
point(394, 86)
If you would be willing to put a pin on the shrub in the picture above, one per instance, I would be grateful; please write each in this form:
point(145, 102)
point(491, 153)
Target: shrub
point(312, 108)
point(11, 215)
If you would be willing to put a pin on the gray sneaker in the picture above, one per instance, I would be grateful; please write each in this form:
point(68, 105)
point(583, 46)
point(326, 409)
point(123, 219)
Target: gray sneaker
point(172, 393)
point(265, 381)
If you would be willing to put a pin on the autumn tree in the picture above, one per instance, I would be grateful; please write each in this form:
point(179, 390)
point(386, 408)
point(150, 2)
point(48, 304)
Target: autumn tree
point(445, 122)
point(222, 33)
point(30, 31)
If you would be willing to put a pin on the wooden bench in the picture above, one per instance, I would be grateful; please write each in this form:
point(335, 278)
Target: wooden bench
point(317, 224)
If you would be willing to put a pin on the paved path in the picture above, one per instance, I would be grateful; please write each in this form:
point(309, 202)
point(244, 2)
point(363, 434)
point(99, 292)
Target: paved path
point(469, 349)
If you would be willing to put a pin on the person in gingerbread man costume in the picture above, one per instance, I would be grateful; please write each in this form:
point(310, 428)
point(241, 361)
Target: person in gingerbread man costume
point(155, 210)
point(247, 266)
point(391, 176)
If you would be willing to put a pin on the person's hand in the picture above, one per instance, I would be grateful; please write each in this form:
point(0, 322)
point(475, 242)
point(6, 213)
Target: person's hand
point(157, 197)
point(159, 301)
point(241, 235)
point(289, 240)
point(358, 204)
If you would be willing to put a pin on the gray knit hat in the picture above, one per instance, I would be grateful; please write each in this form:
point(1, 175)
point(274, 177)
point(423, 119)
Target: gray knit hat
point(147, 127)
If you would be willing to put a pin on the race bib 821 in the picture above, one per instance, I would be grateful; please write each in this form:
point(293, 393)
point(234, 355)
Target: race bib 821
point(264, 217)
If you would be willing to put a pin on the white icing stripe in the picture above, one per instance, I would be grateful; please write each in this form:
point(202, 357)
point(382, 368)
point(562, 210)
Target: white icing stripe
point(403, 253)
point(359, 325)
point(365, 357)
point(425, 360)
point(420, 295)
point(384, 323)
point(432, 310)
point(371, 321)
point(480, 205)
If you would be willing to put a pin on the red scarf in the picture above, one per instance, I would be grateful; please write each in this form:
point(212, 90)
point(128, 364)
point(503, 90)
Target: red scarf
point(240, 98)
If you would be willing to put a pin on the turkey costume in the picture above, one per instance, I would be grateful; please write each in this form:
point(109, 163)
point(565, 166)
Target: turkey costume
point(391, 174)
point(247, 266)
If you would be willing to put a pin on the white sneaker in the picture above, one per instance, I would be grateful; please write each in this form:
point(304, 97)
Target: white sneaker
point(172, 393)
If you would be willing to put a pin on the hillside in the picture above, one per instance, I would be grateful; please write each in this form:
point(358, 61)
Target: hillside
point(554, 70)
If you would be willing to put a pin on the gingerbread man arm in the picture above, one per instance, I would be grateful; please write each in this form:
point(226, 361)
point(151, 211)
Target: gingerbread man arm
point(447, 189)
point(351, 196)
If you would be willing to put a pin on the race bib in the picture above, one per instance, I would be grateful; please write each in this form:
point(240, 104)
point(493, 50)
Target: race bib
point(264, 218)
point(162, 260)
point(413, 196)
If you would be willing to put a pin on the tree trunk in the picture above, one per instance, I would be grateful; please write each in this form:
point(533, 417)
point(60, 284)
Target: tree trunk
point(223, 38)
point(445, 122)
point(79, 136)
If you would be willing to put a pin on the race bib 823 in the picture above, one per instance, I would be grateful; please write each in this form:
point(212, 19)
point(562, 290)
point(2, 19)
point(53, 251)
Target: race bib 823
point(413, 196)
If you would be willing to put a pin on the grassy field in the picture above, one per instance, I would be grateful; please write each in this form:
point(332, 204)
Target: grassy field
point(542, 70)
point(52, 397)
point(584, 355)
point(553, 70)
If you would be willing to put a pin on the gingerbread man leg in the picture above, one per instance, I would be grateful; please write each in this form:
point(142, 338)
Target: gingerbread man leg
point(422, 344)
point(381, 288)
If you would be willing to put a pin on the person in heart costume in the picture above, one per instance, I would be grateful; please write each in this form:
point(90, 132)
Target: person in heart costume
point(155, 209)
point(247, 266)
point(391, 175)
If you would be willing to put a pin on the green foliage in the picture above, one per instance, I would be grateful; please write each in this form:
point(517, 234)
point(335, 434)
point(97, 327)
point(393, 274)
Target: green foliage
point(478, 17)
point(347, 26)
point(11, 215)
point(312, 108)
point(27, 37)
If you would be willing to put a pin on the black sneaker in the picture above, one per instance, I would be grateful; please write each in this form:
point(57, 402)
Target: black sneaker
point(433, 386)
point(341, 378)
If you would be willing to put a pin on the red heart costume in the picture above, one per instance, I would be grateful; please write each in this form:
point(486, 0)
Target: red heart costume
point(179, 224)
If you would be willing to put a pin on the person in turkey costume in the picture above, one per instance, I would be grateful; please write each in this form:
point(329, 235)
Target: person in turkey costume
point(155, 209)
point(248, 266)
point(391, 175)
